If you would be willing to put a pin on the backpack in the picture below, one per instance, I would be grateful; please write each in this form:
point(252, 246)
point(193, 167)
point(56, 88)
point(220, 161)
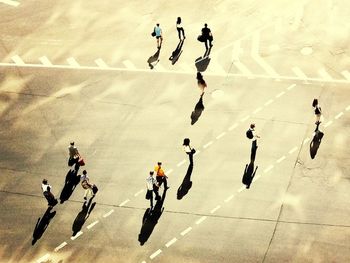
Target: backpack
point(249, 134)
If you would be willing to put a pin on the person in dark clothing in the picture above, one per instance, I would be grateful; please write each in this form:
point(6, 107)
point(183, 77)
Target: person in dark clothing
point(207, 36)
point(180, 29)
point(51, 200)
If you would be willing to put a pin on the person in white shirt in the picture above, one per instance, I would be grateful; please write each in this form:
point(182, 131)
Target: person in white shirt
point(180, 29)
point(51, 200)
point(84, 179)
point(189, 150)
point(254, 136)
point(152, 186)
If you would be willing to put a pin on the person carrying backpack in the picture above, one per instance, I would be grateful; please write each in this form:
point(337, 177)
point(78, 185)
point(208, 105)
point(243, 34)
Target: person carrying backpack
point(251, 134)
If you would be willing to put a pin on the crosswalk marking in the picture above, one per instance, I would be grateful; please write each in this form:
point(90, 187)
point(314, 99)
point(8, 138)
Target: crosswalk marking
point(17, 59)
point(71, 61)
point(45, 61)
point(237, 50)
point(243, 69)
point(299, 73)
point(99, 62)
point(128, 64)
point(324, 74)
point(346, 74)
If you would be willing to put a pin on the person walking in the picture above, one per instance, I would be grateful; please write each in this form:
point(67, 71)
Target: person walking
point(161, 177)
point(90, 189)
point(51, 200)
point(201, 82)
point(251, 134)
point(188, 150)
point(73, 154)
point(207, 36)
point(159, 35)
point(180, 29)
point(152, 186)
point(318, 111)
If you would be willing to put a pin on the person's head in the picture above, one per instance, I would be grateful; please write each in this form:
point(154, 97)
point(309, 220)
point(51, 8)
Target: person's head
point(205, 25)
point(72, 143)
point(157, 24)
point(84, 172)
point(159, 163)
point(186, 142)
point(151, 173)
point(178, 20)
point(252, 126)
point(315, 103)
point(44, 181)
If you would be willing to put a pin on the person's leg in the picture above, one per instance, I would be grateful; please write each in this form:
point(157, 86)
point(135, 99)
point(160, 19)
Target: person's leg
point(206, 44)
point(183, 32)
point(161, 41)
point(179, 32)
point(190, 155)
point(159, 180)
point(165, 183)
point(151, 199)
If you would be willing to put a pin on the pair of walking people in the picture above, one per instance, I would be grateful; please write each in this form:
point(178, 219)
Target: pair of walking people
point(153, 184)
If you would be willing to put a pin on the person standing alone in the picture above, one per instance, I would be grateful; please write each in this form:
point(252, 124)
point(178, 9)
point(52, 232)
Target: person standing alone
point(180, 29)
point(207, 36)
point(159, 36)
point(318, 111)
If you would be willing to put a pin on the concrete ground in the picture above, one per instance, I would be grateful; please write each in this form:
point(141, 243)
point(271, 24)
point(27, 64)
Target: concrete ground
point(77, 70)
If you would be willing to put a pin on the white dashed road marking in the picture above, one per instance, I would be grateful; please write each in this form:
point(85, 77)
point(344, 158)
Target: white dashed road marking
point(108, 213)
point(241, 189)
point(208, 144)
point(281, 159)
point(92, 224)
point(291, 86)
point(77, 235)
point(339, 115)
point(293, 150)
point(60, 246)
point(228, 198)
point(280, 94)
point(268, 168)
point(268, 102)
point(125, 202)
point(306, 140)
point(257, 110)
point(328, 123)
point(43, 258)
point(181, 163)
point(220, 135)
point(139, 192)
point(200, 220)
point(155, 254)
point(171, 242)
point(187, 230)
point(170, 171)
point(215, 209)
point(233, 126)
point(245, 118)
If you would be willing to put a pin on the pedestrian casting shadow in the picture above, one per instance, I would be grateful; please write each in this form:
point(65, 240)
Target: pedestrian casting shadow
point(42, 224)
point(249, 174)
point(72, 180)
point(253, 152)
point(82, 216)
point(186, 183)
point(154, 59)
point(150, 219)
point(315, 143)
point(176, 53)
point(202, 63)
point(198, 109)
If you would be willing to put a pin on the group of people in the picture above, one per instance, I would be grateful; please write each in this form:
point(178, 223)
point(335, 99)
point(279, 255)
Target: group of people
point(206, 36)
point(74, 162)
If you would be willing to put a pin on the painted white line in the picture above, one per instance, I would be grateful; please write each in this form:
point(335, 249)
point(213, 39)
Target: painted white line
point(171, 242)
point(243, 69)
point(99, 62)
point(45, 61)
point(346, 74)
point(169, 171)
point(280, 94)
point(339, 115)
point(241, 189)
point(293, 150)
point(77, 235)
point(215, 209)
point(328, 123)
point(299, 73)
point(268, 168)
point(262, 63)
point(220, 135)
point(233, 126)
point(108, 213)
point(245, 118)
point(128, 64)
point(43, 258)
point(268, 102)
point(347, 108)
point(200, 220)
point(256, 178)
point(139, 192)
point(291, 86)
point(306, 140)
point(71, 61)
point(324, 74)
point(228, 198)
point(257, 110)
point(125, 202)
point(92, 224)
point(237, 50)
point(181, 163)
point(281, 159)
point(155, 254)
point(60, 246)
point(208, 144)
point(17, 59)
point(186, 231)
point(10, 2)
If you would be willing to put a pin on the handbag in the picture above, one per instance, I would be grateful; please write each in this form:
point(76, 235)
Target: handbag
point(201, 38)
point(153, 34)
point(81, 162)
point(148, 194)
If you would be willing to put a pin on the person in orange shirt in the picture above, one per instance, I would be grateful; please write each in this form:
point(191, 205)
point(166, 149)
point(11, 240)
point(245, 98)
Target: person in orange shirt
point(161, 177)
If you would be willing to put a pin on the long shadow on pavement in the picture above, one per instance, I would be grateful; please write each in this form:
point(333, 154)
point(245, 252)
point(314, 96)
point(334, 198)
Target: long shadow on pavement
point(42, 224)
point(175, 55)
point(186, 183)
point(315, 143)
point(249, 174)
point(72, 180)
point(82, 216)
point(202, 63)
point(154, 59)
point(150, 219)
point(198, 109)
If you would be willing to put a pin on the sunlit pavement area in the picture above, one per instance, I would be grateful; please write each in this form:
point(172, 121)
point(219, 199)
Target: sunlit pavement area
point(78, 71)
